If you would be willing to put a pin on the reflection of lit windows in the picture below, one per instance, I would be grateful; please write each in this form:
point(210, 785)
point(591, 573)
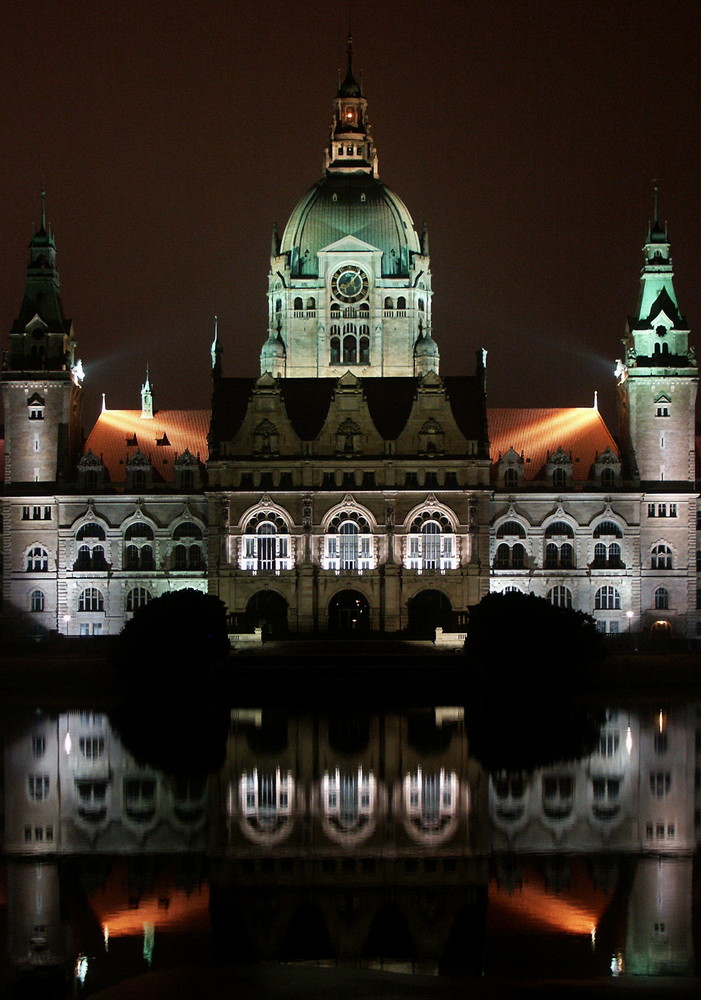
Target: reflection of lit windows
point(660, 783)
point(348, 803)
point(38, 786)
point(38, 746)
point(430, 803)
point(609, 742)
point(140, 798)
point(558, 795)
point(188, 795)
point(92, 797)
point(92, 747)
point(266, 800)
point(509, 794)
point(605, 794)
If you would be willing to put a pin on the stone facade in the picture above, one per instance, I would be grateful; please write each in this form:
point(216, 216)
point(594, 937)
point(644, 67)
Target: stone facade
point(350, 486)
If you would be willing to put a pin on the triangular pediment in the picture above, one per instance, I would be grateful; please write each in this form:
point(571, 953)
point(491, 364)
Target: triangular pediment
point(350, 244)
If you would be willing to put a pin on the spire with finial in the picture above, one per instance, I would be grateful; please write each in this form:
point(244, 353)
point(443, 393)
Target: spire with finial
point(216, 351)
point(350, 148)
point(146, 399)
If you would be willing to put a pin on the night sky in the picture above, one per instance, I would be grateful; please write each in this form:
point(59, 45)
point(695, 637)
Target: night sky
point(170, 136)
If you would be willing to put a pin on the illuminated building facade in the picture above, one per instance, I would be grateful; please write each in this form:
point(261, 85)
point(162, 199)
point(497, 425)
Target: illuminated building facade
point(350, 486)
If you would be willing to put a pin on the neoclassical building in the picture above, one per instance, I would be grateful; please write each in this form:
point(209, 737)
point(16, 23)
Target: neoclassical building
point(350, 485)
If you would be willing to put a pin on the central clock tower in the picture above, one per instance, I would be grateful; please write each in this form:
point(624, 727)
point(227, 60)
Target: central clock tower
point(350, 280)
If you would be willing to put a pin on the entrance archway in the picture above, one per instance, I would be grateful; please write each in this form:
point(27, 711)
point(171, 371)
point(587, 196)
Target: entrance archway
point(268, 610)
point(349, 612)
point(429, 610)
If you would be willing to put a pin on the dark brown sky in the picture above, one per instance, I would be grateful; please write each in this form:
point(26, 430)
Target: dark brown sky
point(171, 135)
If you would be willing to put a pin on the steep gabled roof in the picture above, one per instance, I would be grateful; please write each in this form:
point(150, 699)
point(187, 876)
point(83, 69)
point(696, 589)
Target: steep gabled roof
point(119, 434)
point(537, 433)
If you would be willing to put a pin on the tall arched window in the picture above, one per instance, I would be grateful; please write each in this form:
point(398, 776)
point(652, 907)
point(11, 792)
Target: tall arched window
point(266, 543)
point(188, 553)
point(348, 542)
point(36, 600)
point(661, 599)
point(91, 549)
point(431, 542)
point(138, 550)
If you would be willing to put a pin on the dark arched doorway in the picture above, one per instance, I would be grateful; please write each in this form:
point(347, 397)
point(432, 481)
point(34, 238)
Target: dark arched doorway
point(268, 610)
point(349, 613)
point(429, 610)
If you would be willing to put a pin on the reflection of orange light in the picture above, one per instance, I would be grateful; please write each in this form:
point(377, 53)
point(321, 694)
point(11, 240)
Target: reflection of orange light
point(576, 911)
point(184, 911)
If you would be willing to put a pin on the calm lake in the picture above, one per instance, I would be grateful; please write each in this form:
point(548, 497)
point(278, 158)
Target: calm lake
point(354, 838)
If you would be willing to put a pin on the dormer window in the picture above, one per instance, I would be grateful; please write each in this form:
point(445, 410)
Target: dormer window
point(36, 405)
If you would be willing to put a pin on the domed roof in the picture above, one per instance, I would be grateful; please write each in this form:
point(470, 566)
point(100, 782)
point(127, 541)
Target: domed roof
point(355, 204)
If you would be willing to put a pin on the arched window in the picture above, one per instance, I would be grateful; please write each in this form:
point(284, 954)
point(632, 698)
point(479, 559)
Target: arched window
point(137, 598)
point(138, 552)
point(311, 303)
point(559, 529)
point(559, 477)
point(266, 543)
point(661, 557)
point(91, 600)
point(401, 304)
point(608, 478)
point(607, 599)
point(37, 560)
point(511, 529)
point(298, 304)
point(560, 597)
point(661, 599)
point(510, 477)
point(36, 600)
point(510, 556)
point(348, 542)
point(605, 528)
point(559, 554)
point(91, 551)
point(431, 542)
point(348, 800)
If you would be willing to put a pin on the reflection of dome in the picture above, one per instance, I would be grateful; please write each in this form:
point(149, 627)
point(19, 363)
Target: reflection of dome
point(350, 204)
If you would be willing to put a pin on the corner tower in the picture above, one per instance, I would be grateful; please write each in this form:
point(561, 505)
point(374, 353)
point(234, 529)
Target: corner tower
point(41, 381)
point(658, 378)
point(350, 280)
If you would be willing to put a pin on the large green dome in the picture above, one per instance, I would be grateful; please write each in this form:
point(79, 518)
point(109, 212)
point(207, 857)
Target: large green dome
point(346, 204)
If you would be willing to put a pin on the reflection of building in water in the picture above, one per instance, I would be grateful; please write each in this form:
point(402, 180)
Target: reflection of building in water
point(347, 821)
point(364, 837)
point(633, 797)
point(72, 789)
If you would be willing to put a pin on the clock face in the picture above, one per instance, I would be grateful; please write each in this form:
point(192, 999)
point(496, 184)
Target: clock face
point(350, 283)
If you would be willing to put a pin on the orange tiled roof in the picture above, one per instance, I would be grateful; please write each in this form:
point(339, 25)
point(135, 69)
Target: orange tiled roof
point(176, 429)
point(579, 430)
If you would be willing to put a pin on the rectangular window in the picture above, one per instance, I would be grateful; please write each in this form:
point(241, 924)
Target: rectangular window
point(651, 510)
point(672, 510)
point(25, 513)
point(28, 834)
point(648, 831)
point(38, 746)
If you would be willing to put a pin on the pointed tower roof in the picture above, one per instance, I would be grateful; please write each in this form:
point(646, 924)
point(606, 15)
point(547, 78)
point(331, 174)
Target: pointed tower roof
point(42, 296)
point(350, 86)
point(657, 293)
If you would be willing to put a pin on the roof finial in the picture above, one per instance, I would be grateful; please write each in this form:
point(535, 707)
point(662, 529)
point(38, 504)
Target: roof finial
point(656, 190)
point(43, 207)
point(104, 403)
